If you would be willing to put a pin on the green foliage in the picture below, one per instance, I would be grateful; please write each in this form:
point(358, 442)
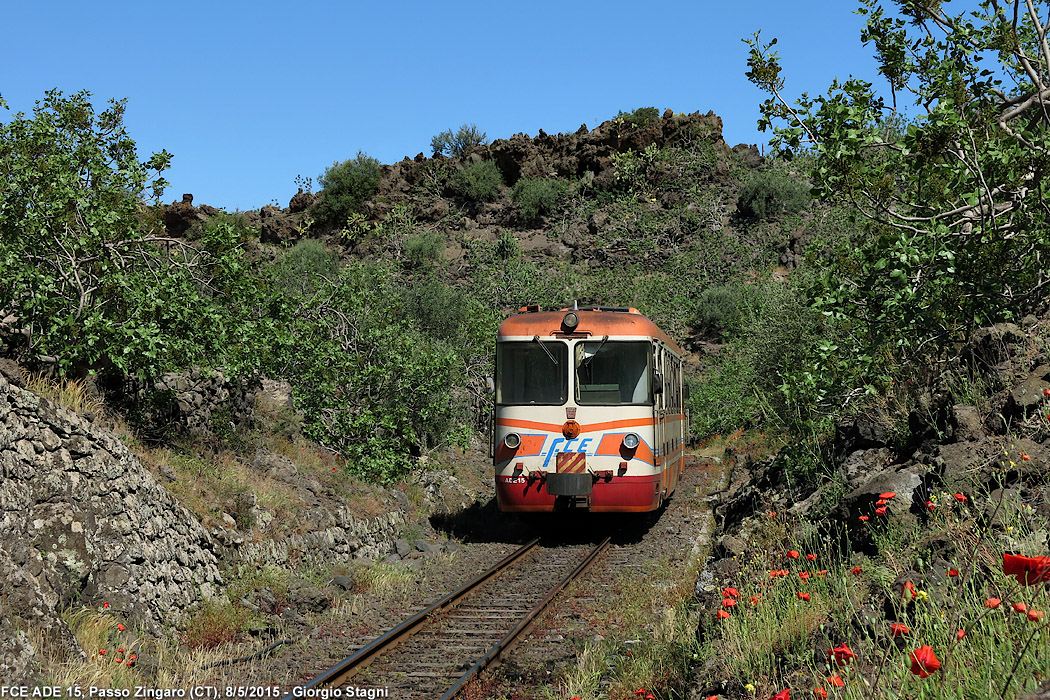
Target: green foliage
point(720, 308)
point(643, 116)
point(214, 624)
point(477, 182)
point(456, 144)
point(438, 309)
point(424, 249)
point(345, 187)
point(304, 268)
point(772, 193)
point(536, 197)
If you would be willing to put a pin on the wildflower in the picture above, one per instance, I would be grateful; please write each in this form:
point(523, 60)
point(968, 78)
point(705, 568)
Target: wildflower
point(960, 634)
point(880, 511)
point(1046, 392)
point(119, 661)
point(855, 571)
point(120, 627)
point(105, 605)
point(722, 615)
point(863, 518)
point(101, 652)
point(804, 575)
point(822, 573)
point(1019, 607)
point(728, 603)
point(772, 514)
point(803, 596)
point(640, 691)
point(953, 572)
point(784, 694)
point(922, 596)
point(924, 662)
point(811, 557)
point(992, 603)
point(881, 502)
point(820, 693)
point(1025, 457)
point(1035, 615)
point(128, 663)
point(908, 591)
point(793, 554)
point(930, 505)
point(650, 696)
point(754, 599)
point(887, 495)
point(842, 655)
point(730, 592)
point(133, 657)
point(120, 651)
point(1027, 570)
point(898, 630)
point(749, 688)
point(960, 498)
point(836, 680)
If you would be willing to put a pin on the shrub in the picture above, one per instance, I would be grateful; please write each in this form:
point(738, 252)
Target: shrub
point(466, 137)
point(439, 309)
point(537, 196)
point(345, 187)
point(423, 250)
point(643, 116)
point(477, 182)
point(772, 193)
point(214, 624)
point(300, 270)
point(720, 308)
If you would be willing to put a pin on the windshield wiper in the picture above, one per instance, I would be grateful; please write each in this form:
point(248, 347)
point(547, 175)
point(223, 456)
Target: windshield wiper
point(536, 339)
point(587, 360)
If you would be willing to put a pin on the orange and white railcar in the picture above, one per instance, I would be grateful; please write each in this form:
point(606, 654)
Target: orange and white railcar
point(588, 411)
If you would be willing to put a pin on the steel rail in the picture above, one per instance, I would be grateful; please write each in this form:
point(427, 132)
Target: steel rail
point(349, 666)
point(526, 622)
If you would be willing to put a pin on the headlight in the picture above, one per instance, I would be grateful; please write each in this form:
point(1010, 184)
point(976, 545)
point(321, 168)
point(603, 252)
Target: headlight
point(512, 441)
point(631, 441)
point(570, 321)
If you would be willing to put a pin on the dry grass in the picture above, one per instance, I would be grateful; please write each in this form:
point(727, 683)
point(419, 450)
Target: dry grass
point(73, 394)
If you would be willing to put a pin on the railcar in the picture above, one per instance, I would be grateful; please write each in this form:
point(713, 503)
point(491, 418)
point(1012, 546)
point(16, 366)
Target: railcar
point(588, 411)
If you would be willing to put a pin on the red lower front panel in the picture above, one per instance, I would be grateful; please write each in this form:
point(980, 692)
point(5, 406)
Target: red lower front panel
point(622, 493)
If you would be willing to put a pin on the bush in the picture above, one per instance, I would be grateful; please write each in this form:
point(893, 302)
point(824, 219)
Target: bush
point(720, 308)
point(345, 187)
point(537, 196)
point(643, 116)
point(437, 308)
point(466, 137)
point(423, 250)
point(772, 193)
point(300, 270)
point(213, 624)
point(477, 182)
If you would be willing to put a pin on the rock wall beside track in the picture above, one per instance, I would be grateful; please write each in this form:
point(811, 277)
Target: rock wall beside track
point(82, 523)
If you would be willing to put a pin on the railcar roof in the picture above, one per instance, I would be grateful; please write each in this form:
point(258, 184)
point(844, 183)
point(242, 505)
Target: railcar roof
point(619, 322)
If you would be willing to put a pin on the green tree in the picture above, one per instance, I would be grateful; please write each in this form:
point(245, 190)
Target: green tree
point(952, 191)
point(345, 187)
point(456, 144)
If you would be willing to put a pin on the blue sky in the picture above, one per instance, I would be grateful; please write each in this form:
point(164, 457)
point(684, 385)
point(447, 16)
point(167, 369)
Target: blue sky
point(247, 95)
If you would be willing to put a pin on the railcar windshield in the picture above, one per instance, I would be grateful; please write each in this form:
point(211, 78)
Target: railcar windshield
point(613, 372)
point(532, 372)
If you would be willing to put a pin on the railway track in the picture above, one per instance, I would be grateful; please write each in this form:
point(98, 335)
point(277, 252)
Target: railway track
point(437, 651)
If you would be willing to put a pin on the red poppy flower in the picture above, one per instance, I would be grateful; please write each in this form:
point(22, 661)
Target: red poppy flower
point(960, 634)
point(924, 662)
point(1019, 607)
point(908, 591)
point(133, 657)
point(897, 629)
point(811, 557)
point(881, 502)
point(880, 511)
point(728, 603)
point(960, 498)
point(772, 514)
point(1027, 570)
point(992, 603)
point(793, 554)
point(755, 598)
point(804, 575)
point(803, 596)
point(730, 592)
point(855, 571)
point(953, 572)
point(863, 518)
point(1035, 615)
point(722, 614)
point(105, 605)
point(930, 505)
point(1046, 392)
point(640, 691)
point(842, 655)
point(1025, 457)
point(822, 573)
point(650, 696)
point(836, 680)
point(887, 495)
point(120, 627)
point(820, 693)
point(784, 694)
point(101, 652)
